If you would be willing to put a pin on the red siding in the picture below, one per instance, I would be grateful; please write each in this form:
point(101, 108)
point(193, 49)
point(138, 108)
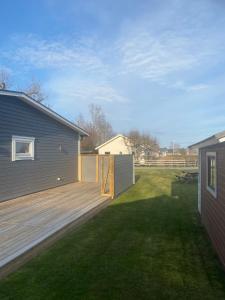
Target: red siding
point(213, 209)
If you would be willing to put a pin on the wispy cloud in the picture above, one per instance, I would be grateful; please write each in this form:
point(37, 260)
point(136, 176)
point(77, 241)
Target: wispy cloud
point(162, 57)
point(57, 54)
point(74, 89)
point(165, 46)
point(198, 87)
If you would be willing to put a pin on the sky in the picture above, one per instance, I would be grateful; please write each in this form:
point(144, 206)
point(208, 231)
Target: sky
point(154, 65)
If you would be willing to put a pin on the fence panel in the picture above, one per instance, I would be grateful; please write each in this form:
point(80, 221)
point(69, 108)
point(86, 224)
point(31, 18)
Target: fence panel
point(123, 173)
point(168, 163)
point(114, 173)
point(88, 168)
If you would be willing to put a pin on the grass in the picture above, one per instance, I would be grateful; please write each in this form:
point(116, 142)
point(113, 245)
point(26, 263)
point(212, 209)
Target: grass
point(149, 244)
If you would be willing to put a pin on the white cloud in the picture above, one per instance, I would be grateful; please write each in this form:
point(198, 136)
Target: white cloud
point(172, 44)
point(198, 87)
point(156, 57)
point(74, 89)
point(57, 54)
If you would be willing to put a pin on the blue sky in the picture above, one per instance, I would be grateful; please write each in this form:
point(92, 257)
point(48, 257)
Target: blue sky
point(158, 66)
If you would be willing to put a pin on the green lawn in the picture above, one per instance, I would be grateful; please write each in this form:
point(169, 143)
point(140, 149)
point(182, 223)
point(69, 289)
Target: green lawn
point(148, 244)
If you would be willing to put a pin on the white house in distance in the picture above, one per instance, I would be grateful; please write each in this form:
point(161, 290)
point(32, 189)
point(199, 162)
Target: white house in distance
point(119, 144)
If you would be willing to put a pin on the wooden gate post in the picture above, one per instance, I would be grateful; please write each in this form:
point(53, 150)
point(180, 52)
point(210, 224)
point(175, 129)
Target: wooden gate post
point(112, 176)
point(97, 168)
point(102, 174)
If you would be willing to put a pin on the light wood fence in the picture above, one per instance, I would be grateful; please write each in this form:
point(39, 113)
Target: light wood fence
point(114, 173)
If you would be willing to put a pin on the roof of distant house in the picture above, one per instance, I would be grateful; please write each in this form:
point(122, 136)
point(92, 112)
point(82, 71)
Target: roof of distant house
point(112, 139)
point(46, 110)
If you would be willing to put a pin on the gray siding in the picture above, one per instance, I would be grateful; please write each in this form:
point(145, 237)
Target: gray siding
point(23, 177)
point(123, 165)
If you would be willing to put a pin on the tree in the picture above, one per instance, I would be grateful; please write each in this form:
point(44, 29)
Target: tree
point(34, 88)
point(143, 144)
point(35, 91)
point(98, 127)
point(5, 78)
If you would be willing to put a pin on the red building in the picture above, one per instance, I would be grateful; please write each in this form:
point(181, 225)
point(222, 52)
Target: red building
point(211, 193)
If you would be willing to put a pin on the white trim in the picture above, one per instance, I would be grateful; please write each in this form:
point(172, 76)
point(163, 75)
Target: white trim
point(44, 109)
point(209, 189)
point(109, 141)
point(21, 156)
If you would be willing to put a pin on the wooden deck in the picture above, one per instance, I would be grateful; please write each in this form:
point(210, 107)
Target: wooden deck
point(27, 221)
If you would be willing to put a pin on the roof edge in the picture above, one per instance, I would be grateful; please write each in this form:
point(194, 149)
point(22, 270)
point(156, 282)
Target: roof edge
point(110, 140)
point(202, 141)
point(216, 136)
point(48, 111)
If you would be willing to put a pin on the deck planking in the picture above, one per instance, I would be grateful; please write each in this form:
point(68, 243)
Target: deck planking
point(27, 221)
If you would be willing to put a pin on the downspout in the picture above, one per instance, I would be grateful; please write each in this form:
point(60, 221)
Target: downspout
point(199, 181)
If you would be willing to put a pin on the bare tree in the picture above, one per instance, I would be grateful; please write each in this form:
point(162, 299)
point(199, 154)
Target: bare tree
point(5, 78)
point(35, 91)
point(99, 129)
point(143, 144)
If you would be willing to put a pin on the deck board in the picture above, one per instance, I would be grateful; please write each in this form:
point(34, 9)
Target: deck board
point(29, 220)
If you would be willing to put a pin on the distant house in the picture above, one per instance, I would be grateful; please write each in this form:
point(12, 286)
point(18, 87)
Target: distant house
point(163, 152)
point(119, 144)
point(211, 189)
point(145, 153)
point(39, 149)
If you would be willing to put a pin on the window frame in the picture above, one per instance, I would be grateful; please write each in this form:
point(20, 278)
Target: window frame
point(209, 188)
point(21, 156)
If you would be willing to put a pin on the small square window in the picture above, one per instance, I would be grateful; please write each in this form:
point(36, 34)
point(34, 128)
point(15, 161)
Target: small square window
point(22, 148)
point(211, 173)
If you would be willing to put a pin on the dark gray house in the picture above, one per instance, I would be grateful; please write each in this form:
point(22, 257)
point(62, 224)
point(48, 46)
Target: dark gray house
point(38, 148)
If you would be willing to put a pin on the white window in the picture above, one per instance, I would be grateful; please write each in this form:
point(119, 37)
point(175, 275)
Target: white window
point(211, 172)
point(22, 148)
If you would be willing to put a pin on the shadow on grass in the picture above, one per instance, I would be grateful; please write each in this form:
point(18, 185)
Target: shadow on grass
point(137, 177)
point(151, 248)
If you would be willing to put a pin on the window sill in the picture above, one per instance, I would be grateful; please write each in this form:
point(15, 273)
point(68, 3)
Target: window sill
point(23, 158)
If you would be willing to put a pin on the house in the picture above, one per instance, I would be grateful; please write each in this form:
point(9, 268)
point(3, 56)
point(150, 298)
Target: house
point(144, 153)
point(211, 189)
point(163, 152)
point(119, 144)
point(38, 148)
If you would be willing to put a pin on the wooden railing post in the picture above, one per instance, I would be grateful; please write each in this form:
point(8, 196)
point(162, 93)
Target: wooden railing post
point(97, 168)
point(102, 175)
point(112, 176)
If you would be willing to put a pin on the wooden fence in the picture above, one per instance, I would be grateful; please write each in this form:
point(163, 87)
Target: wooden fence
point(114, 173)
point(168, 163)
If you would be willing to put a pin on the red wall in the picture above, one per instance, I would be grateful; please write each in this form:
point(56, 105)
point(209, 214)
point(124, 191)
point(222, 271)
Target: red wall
point(213, 209)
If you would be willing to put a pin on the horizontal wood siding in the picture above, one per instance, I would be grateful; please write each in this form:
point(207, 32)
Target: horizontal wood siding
point(23, 177)
point(213, 209)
